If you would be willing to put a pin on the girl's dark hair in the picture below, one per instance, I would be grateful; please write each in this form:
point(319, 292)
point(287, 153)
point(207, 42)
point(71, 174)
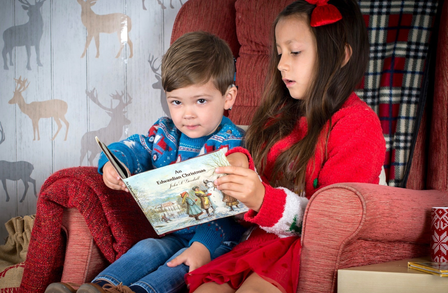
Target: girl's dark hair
point(333, 83)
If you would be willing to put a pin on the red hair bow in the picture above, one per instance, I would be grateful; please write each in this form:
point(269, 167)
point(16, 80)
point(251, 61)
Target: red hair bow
point(324, 13)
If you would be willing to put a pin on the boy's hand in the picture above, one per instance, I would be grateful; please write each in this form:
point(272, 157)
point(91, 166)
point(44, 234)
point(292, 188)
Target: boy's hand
point(238, 160)
point(112, 179)
point(194, 256)
point(242, 184)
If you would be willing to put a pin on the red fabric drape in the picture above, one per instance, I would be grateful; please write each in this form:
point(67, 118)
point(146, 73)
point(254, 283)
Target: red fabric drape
point(114, 224)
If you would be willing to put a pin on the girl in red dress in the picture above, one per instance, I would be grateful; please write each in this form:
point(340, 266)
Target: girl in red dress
point(311, 130)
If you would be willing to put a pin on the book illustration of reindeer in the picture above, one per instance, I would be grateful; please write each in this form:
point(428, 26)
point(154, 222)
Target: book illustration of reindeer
point(112, 132)
point(17, 171)
point(108, 23)
point(55, 109)
point(161, 4)
point(158, 85)
point(2, 134)
point(28, 34)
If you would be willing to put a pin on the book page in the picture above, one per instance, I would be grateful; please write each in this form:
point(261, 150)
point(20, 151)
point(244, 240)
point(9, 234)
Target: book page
point(183, 194)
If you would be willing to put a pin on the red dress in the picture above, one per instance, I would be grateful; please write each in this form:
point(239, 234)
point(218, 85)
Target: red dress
point(355, 153)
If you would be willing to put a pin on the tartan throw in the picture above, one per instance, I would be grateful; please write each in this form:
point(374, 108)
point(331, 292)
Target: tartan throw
point(399, 33)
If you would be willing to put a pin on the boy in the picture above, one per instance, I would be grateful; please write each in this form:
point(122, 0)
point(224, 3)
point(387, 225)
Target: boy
point(197, 76)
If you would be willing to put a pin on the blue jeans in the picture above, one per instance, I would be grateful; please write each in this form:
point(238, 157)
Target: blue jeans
point(144, 265)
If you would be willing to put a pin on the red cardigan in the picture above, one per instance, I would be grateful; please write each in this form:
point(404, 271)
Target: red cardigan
point(356, 151)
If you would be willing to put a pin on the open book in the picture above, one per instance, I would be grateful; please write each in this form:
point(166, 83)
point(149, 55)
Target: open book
point(179, 195)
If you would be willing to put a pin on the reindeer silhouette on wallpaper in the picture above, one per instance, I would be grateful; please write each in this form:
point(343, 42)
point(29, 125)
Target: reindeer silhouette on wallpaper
point(15, 171)
point(42, 109)
point(112, 132)
point(2, 134)
point(108, 23)
point(28, 34)
point(158, 85)
point(161, 4)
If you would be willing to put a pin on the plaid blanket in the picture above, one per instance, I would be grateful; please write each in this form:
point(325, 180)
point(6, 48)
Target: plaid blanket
point(399, 34)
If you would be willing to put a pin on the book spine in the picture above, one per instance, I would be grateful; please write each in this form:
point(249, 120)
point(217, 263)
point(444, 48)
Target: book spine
point(425, 270)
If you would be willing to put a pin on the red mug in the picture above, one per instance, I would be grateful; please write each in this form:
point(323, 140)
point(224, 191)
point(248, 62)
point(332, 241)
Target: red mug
point(439, 234)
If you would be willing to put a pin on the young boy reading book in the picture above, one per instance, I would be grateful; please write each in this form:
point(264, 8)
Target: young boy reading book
point(197, 76)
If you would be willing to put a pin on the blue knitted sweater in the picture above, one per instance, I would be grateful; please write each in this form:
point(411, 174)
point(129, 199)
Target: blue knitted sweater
point(165, 145)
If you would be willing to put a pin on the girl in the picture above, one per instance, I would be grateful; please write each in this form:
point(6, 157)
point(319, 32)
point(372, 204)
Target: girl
point(310, 131)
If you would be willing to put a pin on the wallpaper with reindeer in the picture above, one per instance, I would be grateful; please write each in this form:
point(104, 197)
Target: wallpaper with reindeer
point(72, 70)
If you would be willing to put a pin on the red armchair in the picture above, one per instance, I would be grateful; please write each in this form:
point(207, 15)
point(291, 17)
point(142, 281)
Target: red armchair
point(81, 226)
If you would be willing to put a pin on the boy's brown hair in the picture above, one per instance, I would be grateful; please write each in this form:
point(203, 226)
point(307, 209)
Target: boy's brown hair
point(195, 58)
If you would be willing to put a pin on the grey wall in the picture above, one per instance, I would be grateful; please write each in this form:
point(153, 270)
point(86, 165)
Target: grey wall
point(112, 95)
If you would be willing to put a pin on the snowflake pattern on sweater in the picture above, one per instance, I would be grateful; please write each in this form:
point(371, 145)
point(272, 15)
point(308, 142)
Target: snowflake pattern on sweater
point(165, 144)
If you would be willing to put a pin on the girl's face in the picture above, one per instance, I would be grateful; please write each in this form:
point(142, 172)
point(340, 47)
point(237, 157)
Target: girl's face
point(297, 49)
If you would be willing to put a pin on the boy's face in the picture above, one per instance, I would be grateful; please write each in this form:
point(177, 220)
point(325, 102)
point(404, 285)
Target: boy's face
point(197, 110)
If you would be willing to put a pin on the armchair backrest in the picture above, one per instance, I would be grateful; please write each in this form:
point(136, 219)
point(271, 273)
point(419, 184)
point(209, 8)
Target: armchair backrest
point(399, 37)
point(437, 112)
point(216, 17)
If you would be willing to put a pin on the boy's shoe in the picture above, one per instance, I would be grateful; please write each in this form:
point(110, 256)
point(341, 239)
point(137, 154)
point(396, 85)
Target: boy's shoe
point(107, 288)
point(59, 288)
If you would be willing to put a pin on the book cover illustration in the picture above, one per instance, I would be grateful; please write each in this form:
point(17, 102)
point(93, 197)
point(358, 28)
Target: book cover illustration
point(179, 195)
point(183, 194)
point(436, 268)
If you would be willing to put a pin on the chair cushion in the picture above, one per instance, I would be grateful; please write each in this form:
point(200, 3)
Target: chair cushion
point(438, 156)
point(217, 17)
point(254, 20)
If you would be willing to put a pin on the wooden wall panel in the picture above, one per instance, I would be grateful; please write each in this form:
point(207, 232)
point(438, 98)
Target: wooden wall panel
point(8, 149)
point(144, 83)
point(106, 73)
point(69, 78)
point(72, 81)
point(30, 148)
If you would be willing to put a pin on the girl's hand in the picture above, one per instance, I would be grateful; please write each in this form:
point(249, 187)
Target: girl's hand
point(194, 256)
point(242, 184)
point(112, 179)
point(238, 160)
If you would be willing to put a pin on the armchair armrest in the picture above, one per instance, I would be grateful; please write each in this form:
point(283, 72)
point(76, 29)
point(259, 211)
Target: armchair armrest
point(354, 224)
point(83, 260)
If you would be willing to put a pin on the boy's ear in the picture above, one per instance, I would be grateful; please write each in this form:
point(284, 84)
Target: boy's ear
point(348, 54)
point(230, 97)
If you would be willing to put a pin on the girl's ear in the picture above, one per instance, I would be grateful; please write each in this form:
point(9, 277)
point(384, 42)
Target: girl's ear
point(348, 54)
point(230, 97)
